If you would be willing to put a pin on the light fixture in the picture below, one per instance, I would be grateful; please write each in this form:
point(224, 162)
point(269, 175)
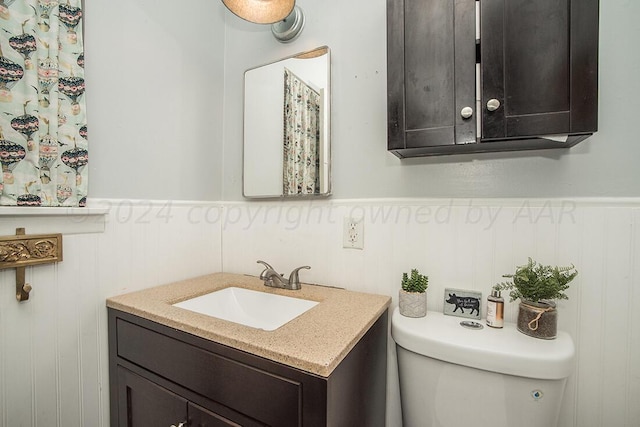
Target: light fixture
point(261, 11)
point(290, 27)
point(286, 18)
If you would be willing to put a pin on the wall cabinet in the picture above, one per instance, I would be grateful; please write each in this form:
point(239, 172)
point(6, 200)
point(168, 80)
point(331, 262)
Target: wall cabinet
point(162, 377)
point(528, 72)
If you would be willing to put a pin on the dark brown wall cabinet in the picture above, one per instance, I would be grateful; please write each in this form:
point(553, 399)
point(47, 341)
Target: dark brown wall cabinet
point(163, 377)
point(534, 69)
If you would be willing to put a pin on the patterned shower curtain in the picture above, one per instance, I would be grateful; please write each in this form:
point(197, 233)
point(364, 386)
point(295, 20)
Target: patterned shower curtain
point(301, 137)
point(43, 131)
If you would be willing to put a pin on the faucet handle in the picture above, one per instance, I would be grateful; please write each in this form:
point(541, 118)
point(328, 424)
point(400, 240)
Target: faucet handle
point(267, 267)
point(294, 279)
point(265, 264)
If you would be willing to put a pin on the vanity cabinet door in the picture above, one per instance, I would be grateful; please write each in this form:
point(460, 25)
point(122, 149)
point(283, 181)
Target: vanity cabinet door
point(201, 417)
point(256, 393)
point(539, 67)
point(143, 403)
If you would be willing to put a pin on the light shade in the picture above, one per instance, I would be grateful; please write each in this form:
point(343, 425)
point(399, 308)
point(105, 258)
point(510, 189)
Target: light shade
point(260, 11)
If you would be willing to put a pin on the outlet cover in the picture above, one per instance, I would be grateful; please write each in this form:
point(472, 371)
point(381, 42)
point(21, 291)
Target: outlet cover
point(353, 233)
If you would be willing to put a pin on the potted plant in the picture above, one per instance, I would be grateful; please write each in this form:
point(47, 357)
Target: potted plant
point(537, 286)
point(413, 294)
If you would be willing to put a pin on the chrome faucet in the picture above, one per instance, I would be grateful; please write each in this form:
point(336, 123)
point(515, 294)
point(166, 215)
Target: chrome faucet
point(273, 279)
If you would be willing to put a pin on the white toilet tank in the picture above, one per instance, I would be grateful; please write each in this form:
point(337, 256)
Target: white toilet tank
point(451, 376)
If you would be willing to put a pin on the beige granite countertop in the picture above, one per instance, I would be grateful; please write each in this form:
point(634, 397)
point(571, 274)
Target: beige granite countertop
point(315, 342)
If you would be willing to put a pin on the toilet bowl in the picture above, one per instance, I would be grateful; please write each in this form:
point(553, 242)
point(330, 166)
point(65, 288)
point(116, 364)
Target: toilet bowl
point(451, 376)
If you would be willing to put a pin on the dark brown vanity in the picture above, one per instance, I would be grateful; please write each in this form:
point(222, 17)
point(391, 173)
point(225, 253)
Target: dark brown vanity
point(176, 374)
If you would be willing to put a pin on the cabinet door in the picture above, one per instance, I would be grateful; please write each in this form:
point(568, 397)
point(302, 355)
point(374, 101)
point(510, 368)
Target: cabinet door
point(142, 403)
point(430, 72)
point(201, 417)
point(539, 67)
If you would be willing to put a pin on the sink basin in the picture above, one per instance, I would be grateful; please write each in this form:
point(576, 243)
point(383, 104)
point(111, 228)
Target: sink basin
point(259, 310)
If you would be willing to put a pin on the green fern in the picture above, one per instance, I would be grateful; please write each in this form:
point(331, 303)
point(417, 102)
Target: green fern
point(416, 283)
point(536, 282)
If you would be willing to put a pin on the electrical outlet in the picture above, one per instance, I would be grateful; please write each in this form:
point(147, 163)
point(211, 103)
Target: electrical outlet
point(353, 233)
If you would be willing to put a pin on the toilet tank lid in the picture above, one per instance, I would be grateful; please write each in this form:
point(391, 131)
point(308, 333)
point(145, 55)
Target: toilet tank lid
point(503, 350)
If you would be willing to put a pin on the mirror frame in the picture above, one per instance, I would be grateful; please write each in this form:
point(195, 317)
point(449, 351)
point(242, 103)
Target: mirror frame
point(319, 51)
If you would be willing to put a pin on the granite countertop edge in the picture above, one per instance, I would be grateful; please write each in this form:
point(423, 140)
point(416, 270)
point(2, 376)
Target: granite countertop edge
point(315, 342)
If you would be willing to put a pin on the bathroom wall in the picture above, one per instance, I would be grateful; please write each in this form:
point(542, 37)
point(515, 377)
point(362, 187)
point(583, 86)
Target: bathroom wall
point(470, 244)
point(165, 113)
point(602, 166)
point(154, 93)
point(53, 354)
point(53, 347)
point(154, 73)
point(599, 178)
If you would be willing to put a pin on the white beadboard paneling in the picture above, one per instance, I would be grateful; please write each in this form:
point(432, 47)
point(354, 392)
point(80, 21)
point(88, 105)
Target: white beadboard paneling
point(471, 244)
point(88, 297)
point(616, 298)
point(4, 342)
point(568, 250)
point(590, 351)
point(44, 336)
point(53, 347)
point(69, 312)
point(18, 358)
point(632, 387)
point(503, 256)
point(53, 352)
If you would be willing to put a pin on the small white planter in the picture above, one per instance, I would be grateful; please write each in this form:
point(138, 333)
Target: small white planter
point(412, 304)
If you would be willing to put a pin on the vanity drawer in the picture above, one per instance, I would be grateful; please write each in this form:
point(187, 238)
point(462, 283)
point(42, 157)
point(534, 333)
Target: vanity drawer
point(262, 395)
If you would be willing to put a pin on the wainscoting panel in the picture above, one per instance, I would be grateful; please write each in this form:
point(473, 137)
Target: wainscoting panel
point(470, 244)
point(53, 347)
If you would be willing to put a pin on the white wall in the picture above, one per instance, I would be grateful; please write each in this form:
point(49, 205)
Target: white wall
point(154, 98)
point(603, 165)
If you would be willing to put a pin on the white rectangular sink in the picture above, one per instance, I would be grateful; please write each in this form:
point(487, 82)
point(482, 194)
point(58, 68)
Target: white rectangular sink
point(259, 310)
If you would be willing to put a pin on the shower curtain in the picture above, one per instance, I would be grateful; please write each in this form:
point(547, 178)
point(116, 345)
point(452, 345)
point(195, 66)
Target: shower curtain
point(43, 130)
point(301, 137)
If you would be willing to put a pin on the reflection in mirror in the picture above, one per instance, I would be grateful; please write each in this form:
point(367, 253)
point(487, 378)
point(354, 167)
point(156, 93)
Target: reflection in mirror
point(286, 127)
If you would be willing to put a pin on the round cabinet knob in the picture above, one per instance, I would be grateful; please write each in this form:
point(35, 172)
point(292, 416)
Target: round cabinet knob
point(466, 112)
point(493, 104)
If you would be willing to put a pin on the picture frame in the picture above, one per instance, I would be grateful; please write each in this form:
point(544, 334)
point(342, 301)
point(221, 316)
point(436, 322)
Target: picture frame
point(462, 303)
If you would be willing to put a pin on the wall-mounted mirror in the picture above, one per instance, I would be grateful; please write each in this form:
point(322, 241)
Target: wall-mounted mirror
point(286, 127)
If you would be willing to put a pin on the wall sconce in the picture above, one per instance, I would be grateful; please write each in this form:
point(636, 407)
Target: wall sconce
point(286, 19)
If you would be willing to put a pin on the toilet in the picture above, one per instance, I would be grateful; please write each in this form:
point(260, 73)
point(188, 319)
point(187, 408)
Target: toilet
point(452, 375)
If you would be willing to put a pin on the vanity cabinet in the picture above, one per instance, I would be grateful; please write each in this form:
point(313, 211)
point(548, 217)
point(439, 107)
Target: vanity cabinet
point(148, 404)
point(161, 376)
point(528, 75)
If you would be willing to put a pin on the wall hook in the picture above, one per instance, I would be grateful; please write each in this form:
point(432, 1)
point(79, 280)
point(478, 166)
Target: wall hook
point(22, 250)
